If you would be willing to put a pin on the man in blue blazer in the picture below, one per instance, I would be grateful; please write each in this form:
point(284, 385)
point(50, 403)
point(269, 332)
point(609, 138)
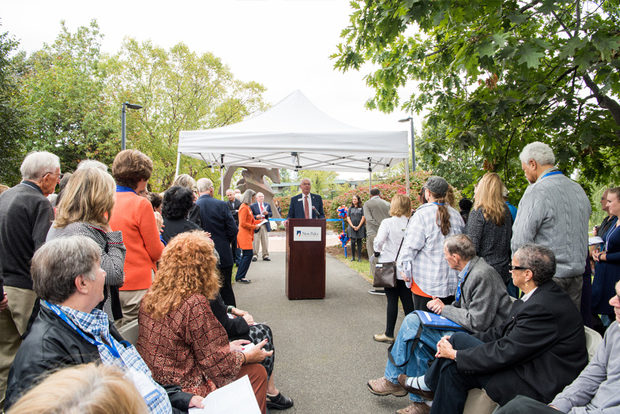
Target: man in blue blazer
point(261, 210)
point(217, 220)
point(297, 208)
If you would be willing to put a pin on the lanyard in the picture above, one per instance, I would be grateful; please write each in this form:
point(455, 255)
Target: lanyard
point(61, 315)
point(551, 173)
point(122, 189)
point(458, 287)
point(608, 236)
point(438, 204)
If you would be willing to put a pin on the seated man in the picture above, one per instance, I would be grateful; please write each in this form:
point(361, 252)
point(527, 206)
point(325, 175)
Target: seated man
point(536, 352)
point(69, 330)
point(596, 389)
point(481, 302)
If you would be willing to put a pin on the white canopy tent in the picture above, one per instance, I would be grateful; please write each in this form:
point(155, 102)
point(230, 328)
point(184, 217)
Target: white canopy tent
point(296, 135)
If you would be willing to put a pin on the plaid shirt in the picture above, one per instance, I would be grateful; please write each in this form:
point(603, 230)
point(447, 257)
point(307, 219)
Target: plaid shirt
point(423, 247)
point(97, 325)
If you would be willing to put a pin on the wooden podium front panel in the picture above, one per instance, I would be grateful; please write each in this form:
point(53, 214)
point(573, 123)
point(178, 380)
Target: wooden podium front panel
point(305, 262)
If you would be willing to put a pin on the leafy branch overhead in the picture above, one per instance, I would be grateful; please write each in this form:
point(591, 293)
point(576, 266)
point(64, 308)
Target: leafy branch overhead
point(498, 74)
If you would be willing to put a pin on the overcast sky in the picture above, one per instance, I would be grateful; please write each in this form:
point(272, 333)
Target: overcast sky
point(282, 44)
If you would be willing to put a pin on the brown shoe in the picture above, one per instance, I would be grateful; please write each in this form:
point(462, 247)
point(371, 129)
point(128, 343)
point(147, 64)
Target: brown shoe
point(415, 408)
point(383, 338)
point(382, 386)
point(427, 395)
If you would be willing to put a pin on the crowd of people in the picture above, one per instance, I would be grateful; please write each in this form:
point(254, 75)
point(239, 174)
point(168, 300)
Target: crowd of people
point(493, 298)
point(105, 254)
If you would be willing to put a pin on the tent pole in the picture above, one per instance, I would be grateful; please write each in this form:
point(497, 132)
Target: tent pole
point(407, 176)
point(176, 174)
point(369, 181)
point(222, 173)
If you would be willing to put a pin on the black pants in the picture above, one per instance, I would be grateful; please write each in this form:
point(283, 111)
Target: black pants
point(419, 302)
point(359, 248)
point(393, 294)
point(449, 384)
point(226, 290)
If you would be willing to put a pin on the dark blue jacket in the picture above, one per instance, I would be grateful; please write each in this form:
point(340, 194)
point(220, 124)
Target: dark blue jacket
point(258, 216)
point(296, 209)
point(217, 220)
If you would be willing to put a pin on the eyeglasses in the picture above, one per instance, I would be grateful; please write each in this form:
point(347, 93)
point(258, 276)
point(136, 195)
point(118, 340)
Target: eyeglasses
point(511, 268)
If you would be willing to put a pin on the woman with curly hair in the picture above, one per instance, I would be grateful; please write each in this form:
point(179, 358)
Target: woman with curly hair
point(180, 338)
point(86, 209)
point(490, 224)
point(178, 201)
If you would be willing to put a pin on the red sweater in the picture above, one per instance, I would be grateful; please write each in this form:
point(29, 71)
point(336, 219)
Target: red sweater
point(133, 216)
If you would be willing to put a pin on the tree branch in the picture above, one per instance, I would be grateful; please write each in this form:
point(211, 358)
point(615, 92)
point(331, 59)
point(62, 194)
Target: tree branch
point(603, 100)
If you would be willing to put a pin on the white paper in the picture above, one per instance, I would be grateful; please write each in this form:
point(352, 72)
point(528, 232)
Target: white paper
point(595, 240)
point(263, 222)
point(234, 398)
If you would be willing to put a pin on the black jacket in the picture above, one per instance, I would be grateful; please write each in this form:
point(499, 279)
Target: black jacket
point(217, 220)
point(52, 344)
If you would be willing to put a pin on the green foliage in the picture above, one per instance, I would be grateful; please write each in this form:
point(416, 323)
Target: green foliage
point(499, 74)
point(178, 90)
point(62, 96)
point(322, 181)
point(12, 132)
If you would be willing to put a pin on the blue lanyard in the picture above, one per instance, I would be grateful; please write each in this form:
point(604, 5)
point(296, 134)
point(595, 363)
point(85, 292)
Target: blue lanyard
point(61, 315)
point(438, 204)
point(122, 189)
point(458, 287)
point(552, 173)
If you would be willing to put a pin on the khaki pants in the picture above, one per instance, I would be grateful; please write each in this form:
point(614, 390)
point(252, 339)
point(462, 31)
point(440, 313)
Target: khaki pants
point(130, 303)
point(370, 239)
point(13, 324)
point(261, 239)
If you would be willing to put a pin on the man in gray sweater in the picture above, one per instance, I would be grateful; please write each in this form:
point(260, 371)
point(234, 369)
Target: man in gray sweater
point(595, 391)
point(375, 211)
point(25, 217)
point(481, 302)
point(554, 212)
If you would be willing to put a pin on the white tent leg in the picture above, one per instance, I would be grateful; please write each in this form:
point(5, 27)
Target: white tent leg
point(176, 174)
point(369, 181)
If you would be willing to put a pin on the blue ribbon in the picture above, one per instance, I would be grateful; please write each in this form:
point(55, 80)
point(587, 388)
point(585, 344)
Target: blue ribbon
point(123, 189)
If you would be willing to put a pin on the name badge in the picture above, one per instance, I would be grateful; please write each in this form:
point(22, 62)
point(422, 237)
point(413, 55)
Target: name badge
point(146, 386)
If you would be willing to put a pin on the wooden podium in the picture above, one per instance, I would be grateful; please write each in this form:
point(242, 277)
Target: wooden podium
point(305, 259)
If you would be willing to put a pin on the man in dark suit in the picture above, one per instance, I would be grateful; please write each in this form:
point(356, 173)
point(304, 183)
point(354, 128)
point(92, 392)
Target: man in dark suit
point(233, 205)
point(306, 205)
point(217, 220)
point(261, 211)
point(536, 352)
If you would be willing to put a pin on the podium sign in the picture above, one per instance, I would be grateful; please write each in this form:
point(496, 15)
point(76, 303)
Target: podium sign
point(305, 259)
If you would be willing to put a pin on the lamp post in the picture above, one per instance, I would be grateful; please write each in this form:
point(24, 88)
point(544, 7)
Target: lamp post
point(123, 132)
point(410, 119)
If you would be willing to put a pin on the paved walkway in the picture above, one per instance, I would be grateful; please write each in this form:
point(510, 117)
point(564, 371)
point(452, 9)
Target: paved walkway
point(325, 353)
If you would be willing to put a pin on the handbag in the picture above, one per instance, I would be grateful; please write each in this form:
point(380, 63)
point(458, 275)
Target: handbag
point(385, 273)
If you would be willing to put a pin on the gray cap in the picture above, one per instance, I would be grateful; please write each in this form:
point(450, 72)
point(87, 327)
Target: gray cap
point(437, 185)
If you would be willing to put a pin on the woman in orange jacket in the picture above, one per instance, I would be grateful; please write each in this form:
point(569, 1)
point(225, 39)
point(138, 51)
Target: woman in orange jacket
point(245, 237)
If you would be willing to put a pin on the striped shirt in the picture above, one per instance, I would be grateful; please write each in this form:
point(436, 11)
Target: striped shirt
point(423, 247)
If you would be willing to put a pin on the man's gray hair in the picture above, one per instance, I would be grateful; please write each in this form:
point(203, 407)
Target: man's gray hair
point(37, 164)
point(58, 262)
point(92, 164)
point(203, 185)
point(539, 152)
point(539, 259)
point(247, 197)
point(462, 245)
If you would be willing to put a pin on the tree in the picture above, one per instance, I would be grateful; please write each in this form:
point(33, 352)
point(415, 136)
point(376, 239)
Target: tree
point(179, 90)
point(499, 74)
point(12, 131)
point(322, 181)
point(62, 95)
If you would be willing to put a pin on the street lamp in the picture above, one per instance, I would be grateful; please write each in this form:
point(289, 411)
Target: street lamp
point(123, 132)
point(410, 119)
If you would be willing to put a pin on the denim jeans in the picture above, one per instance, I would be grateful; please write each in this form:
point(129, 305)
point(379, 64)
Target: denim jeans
point(246, 260)
point(424, 352)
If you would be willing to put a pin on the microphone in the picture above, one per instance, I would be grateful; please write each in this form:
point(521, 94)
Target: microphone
point(316, 211)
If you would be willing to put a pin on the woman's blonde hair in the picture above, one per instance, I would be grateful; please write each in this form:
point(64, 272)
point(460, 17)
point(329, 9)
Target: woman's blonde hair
point(490, 199)
point(82, 389)
point(88, 197)
point(186, 267)
point(185, 180)
point(400, 206)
